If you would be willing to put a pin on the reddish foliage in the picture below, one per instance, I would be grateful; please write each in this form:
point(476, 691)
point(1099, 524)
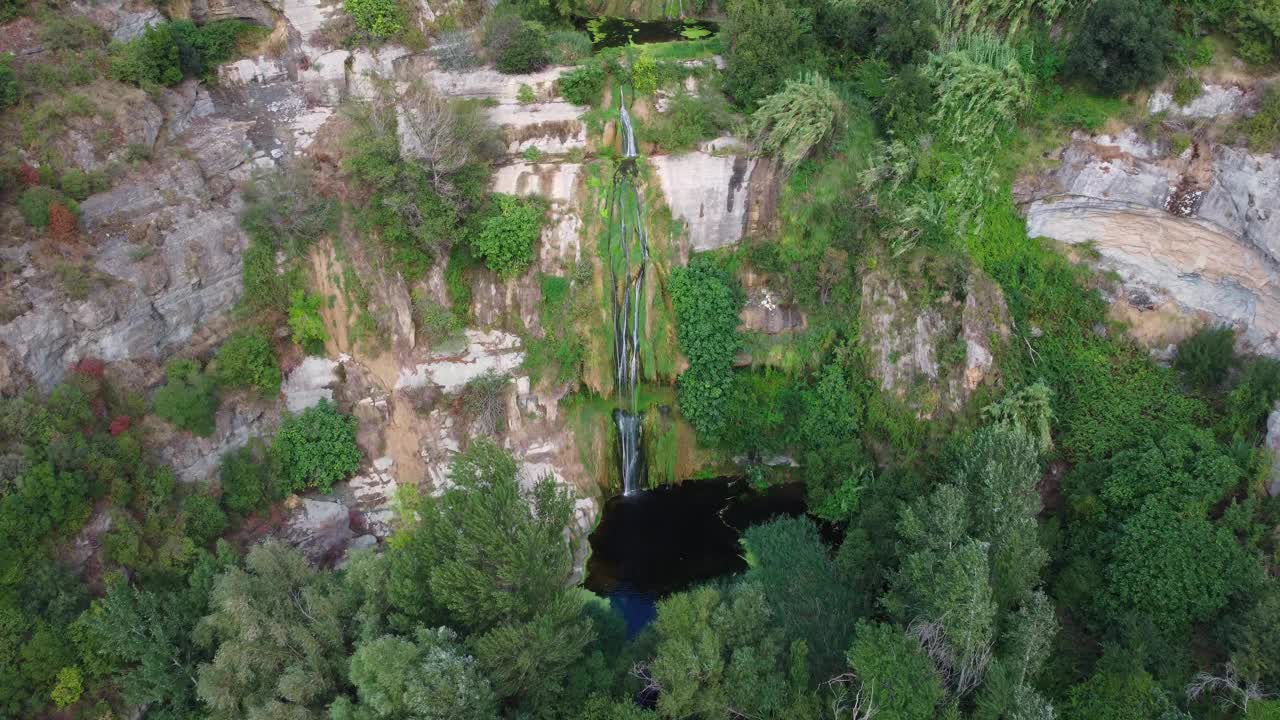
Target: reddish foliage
point(28, 175)
point(90, 366)
point(62, 224)
point(119, 425)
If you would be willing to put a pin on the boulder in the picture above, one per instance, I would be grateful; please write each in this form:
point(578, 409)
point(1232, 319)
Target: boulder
point(255, 11)
point(319, 528)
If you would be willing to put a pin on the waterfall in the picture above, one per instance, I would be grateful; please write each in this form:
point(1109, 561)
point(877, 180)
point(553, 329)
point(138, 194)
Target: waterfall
point(627, 247)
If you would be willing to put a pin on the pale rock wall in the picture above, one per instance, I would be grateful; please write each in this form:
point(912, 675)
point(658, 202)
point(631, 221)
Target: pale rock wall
point(708, 192)
point(1202, 230)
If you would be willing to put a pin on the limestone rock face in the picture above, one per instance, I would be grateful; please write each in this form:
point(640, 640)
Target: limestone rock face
point(166, 262)
point(1203, 229)
point(1213, 100)
point(932, 354)
point(708, 192)
point(1273, 445)
point(257, 11)
point(239, 419)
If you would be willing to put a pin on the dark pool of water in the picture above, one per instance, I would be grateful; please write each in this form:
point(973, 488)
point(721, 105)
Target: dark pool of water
point(662, 541)
point(619, 32)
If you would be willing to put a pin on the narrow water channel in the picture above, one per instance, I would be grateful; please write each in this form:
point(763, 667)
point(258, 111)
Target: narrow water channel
point(661, 541)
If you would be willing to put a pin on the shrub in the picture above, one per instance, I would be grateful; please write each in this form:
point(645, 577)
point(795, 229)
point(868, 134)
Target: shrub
point(1261, 131)
point(379, 18)
point(437, 323)
point(305, 321)
point(246, 360)
point(525, 95)
point(1205, 358)
point(706, 300)
point(8, 81)
point(765, 40)
point(148, 60)
point(246, 480)
point(644, 74)
point(62, 222)
point(315, 449)
point(9, 9)
point(566, 47)
point(70, 686)
point(1123, 45)
point(484, 402)
point(34, 205)
point(506, 238)
point(202, 49)
point(205, 520)
point(188, 399)
point(525, 50)
point(455, 50)
point(981, 88)
point(1186, 89)
point(802, 116)
point(583, 84)
point(78, 184)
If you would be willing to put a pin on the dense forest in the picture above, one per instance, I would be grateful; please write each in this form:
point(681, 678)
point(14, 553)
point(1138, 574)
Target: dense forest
point(1087, 537)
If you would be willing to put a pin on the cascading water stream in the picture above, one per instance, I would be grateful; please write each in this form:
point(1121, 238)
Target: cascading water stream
point(627, 247)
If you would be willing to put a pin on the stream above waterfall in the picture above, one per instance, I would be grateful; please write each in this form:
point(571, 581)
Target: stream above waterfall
point(661, 541)
point(609, 32)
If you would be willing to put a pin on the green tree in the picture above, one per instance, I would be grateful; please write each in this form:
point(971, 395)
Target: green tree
point(279, 629)
point(9, 91)
point(506, 238)
point(205, 521)
point(765, 42)
point(720, 654)
point(1122, 45)
point(428, 678)
point(188, 399)
point(804, 590)
point(246, 359)
point(487, 551)
point(315, 449)
point(895, 677)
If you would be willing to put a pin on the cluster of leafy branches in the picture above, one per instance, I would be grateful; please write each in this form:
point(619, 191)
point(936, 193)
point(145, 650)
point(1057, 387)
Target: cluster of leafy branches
point(166, 53)
point(706, 298)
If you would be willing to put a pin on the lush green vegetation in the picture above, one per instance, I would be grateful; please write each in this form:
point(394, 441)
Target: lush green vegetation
point(1087, 538)
point(166, 53)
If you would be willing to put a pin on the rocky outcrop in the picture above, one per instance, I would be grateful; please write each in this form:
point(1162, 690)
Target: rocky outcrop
point(719, 192)
point(166, 260)
point(932, 354)
point(262, 12)
point(1213, 101)
point(240, 418)
point(1202, 229)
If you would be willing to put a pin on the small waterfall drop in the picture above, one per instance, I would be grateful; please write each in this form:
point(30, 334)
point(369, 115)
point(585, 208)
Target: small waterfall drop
point(627, 247)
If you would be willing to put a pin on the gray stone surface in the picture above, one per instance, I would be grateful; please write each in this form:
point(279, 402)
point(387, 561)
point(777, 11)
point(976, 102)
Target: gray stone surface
point(708, 193)
point(1218, 258)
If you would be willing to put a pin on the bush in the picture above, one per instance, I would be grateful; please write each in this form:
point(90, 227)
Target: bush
point(525, 50)
point(188, 399)
point(765, 41)
point(1123, 45)
point(34, 205)
point(1186, 89)
point(982, 90)
point(379, 18)
point(1261, 131)
point(437, 323)
point(644, 74)
point(689, 120)
point(566, 47)
point(205, 520)
point(78, 184)
point(506, 238)
point(802, 116)
point(706, 300)
point(246, 360)
point(1205, 358)
point(315, 449)
point(306, 323)
point(8, 81)
point(150, 59)
point(583, 84)
point(246, 480)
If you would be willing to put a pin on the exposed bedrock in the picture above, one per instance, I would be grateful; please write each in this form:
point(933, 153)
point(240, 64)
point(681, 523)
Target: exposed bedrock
point(719, 191)
point(1202, 230)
